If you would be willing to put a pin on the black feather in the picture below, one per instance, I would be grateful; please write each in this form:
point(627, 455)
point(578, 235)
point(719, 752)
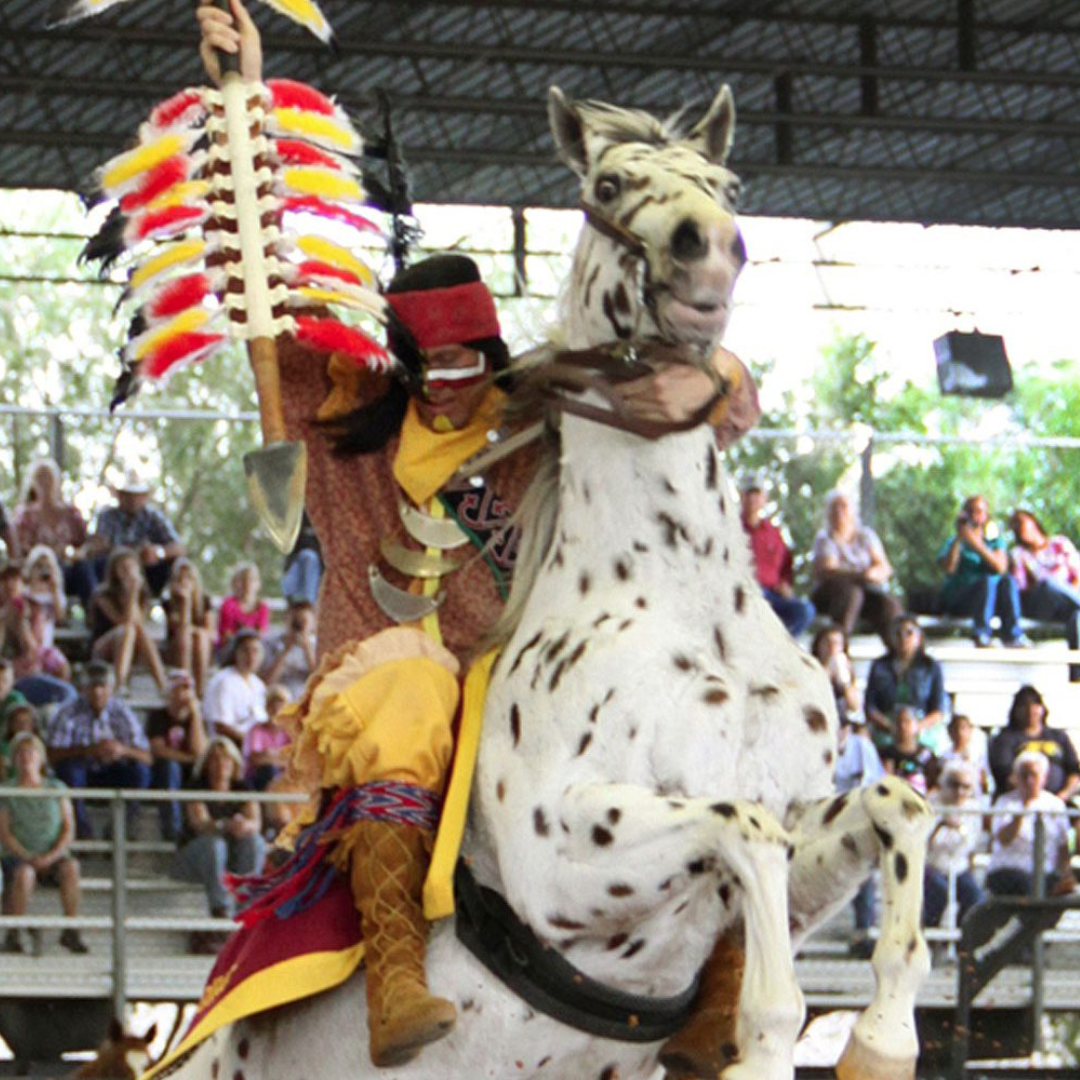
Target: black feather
point(107, 244)
point(127, 385)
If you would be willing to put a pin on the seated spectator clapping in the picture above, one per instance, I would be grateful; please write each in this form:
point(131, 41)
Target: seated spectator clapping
point(35, 835)
point(953, 842)
point(96, 741)
point(290, 654)
point(219, 836)
point(236, 696)
point(1012, 852)
point(177, 740)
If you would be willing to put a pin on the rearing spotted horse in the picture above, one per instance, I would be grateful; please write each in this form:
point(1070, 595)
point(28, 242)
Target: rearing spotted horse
point(653, 793)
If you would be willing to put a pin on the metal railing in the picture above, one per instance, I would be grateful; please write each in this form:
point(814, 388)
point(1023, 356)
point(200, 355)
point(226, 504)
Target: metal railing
point(119, 921)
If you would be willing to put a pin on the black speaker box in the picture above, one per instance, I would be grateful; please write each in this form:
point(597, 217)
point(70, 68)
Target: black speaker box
point(974, 365)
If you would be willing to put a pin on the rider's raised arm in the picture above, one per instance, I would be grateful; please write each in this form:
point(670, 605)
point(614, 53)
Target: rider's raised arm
point(233, 33)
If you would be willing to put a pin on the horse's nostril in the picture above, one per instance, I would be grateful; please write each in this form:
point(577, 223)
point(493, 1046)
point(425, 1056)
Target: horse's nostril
point(706, 308)
point(687, 242)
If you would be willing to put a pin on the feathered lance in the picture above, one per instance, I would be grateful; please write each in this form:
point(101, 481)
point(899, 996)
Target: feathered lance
point(207, 185)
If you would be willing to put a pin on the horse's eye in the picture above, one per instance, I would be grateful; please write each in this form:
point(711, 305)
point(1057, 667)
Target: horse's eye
point(732, 192)
point(607, 188)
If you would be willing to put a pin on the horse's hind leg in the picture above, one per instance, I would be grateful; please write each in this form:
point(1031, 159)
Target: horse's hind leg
point(837, 842)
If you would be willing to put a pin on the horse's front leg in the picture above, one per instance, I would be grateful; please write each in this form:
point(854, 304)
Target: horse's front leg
point(837, 843)
point(630, 854)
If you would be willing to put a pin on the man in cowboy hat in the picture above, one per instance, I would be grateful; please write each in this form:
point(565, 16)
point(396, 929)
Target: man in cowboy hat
point(134, 523)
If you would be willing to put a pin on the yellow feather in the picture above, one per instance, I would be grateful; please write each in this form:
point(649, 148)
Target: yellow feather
point(173, 255)
point(181, 195)
point(306, 13)
point(318, 247)
point(123, 169)
point(322, 182)
point(324, 130)
point(331, 296)
point(184, 323)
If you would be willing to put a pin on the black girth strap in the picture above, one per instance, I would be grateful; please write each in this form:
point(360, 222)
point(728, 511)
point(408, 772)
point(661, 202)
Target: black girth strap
point(490, 930)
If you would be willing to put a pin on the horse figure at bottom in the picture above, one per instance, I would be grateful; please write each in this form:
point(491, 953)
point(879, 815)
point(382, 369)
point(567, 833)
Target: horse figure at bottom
point(653, 794)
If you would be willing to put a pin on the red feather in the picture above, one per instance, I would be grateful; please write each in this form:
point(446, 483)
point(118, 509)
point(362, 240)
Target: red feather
point(181, 110)
point(295, 152)
point(168, 222)
point(315, 271)
point(328, 335)
point(159, 179)
point(288, 94)
point(312, 204)
point(184, 348)
point(177, 295)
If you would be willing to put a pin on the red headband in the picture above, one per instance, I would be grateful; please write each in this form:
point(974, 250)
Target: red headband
point(449, 316)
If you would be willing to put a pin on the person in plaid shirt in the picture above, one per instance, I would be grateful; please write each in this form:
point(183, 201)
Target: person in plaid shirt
point(96, 741)
point(1047, 571)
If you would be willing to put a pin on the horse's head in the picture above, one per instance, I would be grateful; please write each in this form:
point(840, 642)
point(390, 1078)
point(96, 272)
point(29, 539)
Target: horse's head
point(663, 196)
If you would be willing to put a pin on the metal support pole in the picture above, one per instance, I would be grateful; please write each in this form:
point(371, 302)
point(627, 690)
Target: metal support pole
point(866, 483)
point(56, 440)
point(119, 906)
point(521, 249)
point(1038, 955)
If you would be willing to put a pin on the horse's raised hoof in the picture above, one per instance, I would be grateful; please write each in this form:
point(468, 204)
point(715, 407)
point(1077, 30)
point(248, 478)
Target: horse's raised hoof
point(860, 1062)
point(400, 1037)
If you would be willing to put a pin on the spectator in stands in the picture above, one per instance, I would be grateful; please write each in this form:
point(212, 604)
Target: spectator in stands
point(242, 608)
point(43, 672)
point(906, 675)
point(1047, 572)
point(290, 653)
point(188, 618)
point(177, 737)
point(772, 560)
point(977, 582)
point(35, 836)
point(236, 696)
point(267, 746)
point(17, 717)
point(8, 694)
point(43, 517)
point(858, 765)
point(968, 744)
point(851, 571)
point(830, 648)
point(906, 757)
point(1012, 852)
point(133, 523)
point(219, 836)
point(96, 741)
point(7, 535)
point(119, 619)
point(955, 839)
point(1028, 730)
point(303, 566)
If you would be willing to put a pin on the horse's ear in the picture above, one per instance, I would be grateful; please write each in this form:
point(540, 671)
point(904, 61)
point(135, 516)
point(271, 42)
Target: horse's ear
point(116, 1030)
point(715, 131)
point(567, 131)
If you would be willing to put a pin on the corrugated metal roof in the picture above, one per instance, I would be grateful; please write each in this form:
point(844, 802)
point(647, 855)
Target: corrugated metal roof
point(917, 110)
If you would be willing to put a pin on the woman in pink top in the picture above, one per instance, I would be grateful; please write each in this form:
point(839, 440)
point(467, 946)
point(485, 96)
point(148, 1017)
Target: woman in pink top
point(243, 608)
point(1047, 570)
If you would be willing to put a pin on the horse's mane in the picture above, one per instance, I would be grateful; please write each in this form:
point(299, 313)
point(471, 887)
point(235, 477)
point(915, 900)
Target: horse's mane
point(617, 124)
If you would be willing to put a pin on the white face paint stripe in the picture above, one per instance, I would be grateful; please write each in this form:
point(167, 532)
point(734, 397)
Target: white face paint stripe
point(457, 374)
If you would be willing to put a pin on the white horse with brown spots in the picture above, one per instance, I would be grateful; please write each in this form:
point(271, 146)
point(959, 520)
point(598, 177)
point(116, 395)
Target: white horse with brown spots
point(653, 794)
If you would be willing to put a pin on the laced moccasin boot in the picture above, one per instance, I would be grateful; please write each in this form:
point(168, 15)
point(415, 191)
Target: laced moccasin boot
point(706, 1042)
point(389, 862)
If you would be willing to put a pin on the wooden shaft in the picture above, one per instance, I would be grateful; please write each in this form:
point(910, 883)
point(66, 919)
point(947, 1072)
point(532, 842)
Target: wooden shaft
point(262, 352)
